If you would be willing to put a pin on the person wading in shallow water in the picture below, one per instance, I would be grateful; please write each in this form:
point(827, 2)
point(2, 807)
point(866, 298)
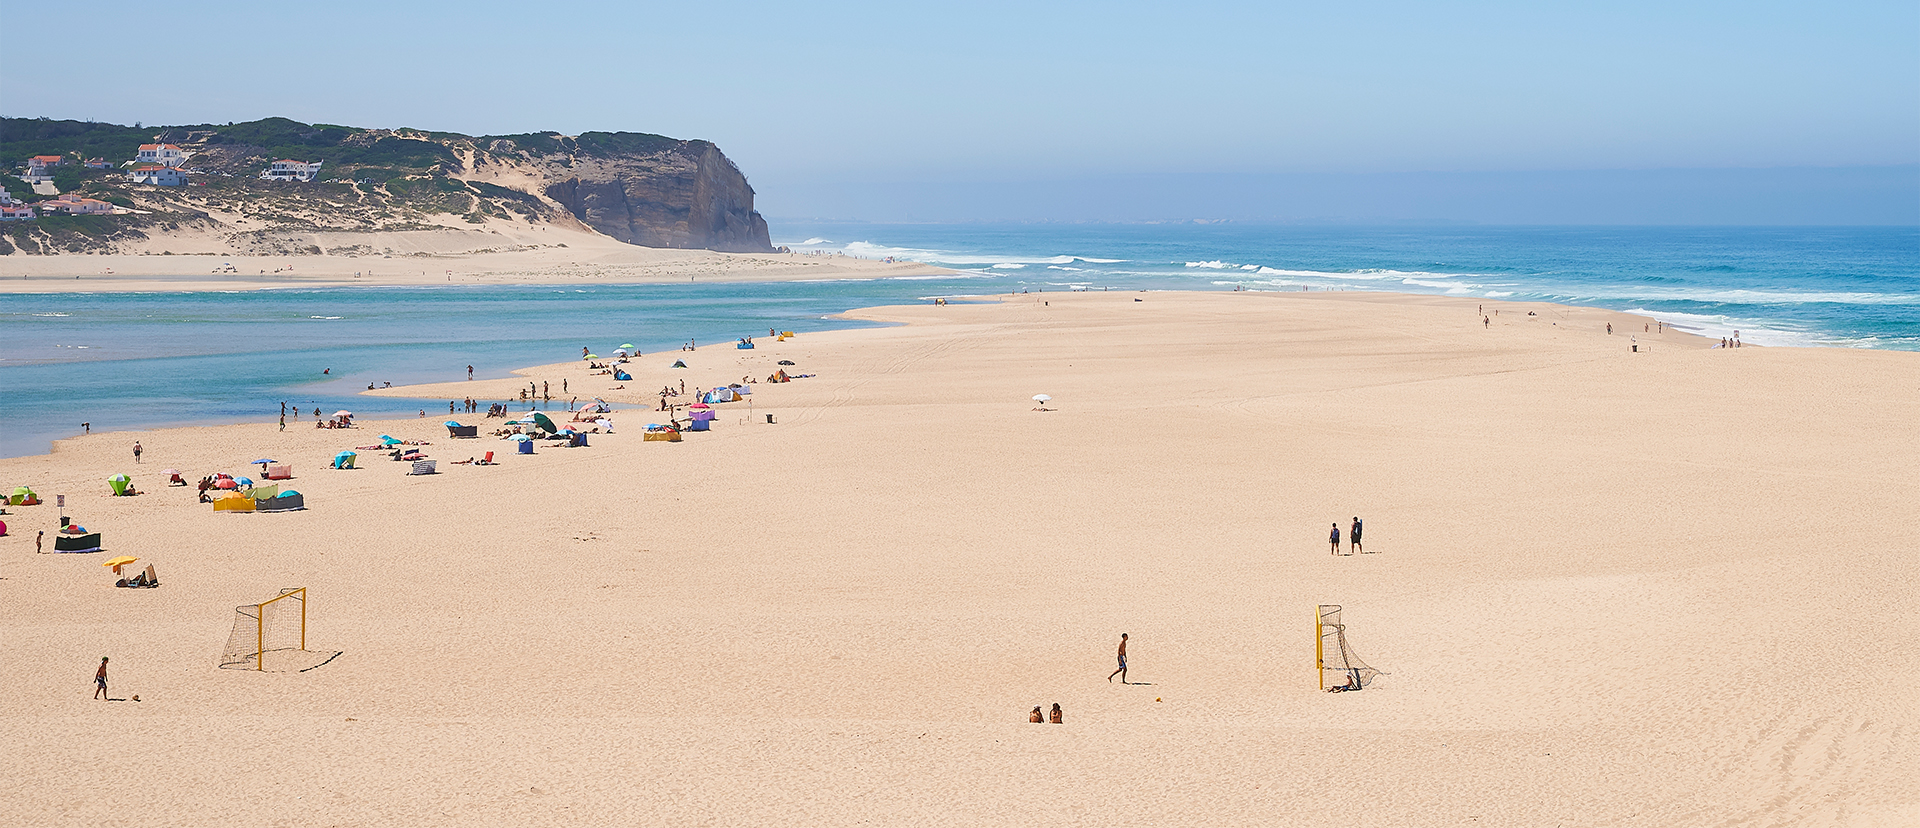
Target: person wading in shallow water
point(1122, 672)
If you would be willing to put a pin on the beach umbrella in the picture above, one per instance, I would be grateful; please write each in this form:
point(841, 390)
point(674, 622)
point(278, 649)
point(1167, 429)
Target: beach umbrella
point(1042, 399)
point(786, 362)
point(591, 356)
point(628, 346)
point(169, 471)
point(451, 424)
point(225, 483)
point(390, 440)
point(244, 481)
point(520, 438)
point(543, 421)
point(120, 561)
point(119, 478)
point(342, 413)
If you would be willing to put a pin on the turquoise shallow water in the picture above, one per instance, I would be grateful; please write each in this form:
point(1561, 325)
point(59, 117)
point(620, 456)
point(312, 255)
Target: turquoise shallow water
point(133, 360)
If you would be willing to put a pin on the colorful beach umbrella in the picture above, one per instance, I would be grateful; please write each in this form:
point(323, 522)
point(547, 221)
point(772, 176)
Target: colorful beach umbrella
point(342, 413)
point(225, 483)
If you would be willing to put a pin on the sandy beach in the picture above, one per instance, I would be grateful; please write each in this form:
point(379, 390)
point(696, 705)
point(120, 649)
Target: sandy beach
point(1670, 586)
point(498, 252)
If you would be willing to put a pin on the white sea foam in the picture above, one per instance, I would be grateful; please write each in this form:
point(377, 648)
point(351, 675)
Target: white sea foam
point(816, 240)
point(1213, 265)
point(1008, 266)
point(55, 314)
point(323, 317)
point(1496, 294)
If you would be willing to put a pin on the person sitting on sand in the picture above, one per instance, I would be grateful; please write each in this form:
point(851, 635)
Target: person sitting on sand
point(1053, 717)
point(1035, 717)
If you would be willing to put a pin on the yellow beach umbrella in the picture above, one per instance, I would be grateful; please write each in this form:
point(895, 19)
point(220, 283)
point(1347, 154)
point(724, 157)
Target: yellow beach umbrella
point(120, 561)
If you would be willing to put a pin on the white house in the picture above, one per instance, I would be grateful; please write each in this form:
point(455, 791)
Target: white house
point(289, 170)
point(40, 168)
point(16, 212)
point(157, 175)
point(166, 155)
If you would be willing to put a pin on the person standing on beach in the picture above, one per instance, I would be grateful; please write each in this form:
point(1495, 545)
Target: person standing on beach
point(38, 540)
point(136, 451)
point(469, 373)
point(283, 421)
point(1335, 538)
point(1122, 672)
point(1353, 534)
point(100, 680)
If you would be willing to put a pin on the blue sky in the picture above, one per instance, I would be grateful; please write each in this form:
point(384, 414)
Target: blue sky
point(841, 109)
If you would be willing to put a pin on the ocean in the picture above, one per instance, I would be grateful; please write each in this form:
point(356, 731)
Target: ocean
point(139, 360)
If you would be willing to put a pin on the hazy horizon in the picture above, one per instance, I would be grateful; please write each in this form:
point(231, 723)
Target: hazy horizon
point(1637, 112)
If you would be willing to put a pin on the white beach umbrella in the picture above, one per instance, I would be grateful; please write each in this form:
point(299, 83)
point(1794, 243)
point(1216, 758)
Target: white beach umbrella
point(1042, 398)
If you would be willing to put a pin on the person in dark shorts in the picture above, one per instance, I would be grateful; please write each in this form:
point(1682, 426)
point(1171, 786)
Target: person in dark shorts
point(1334, 538)
point(100, 679)
point(1353, 534)
point(1122, 672)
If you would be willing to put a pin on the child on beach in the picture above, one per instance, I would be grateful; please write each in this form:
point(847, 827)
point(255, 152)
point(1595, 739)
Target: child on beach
point(1335, 539)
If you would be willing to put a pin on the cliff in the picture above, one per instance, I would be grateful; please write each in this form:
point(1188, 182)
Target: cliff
point(641, 189)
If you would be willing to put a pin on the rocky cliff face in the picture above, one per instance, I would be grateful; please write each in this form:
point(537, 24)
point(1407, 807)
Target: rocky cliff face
point(644, 190)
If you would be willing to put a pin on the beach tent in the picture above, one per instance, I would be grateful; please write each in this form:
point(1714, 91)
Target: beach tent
point(119, 482)
point(621, 376)
point(389, 440)
point(64, 542)
point(605, 424)
point(287, 501)
point(679, 363)
point(23, 496)
point(344, 460)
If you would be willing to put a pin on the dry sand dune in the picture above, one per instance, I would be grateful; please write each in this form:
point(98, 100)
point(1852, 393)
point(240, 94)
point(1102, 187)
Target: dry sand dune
point(1607, 588)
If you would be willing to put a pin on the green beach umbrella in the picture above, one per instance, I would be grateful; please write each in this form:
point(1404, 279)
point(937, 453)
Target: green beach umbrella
point(628, 346)
point(591, 356)
point(543, 421)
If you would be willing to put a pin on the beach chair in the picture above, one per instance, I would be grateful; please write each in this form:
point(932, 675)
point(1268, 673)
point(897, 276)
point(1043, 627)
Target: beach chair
point(422, 467)
point(485, 461)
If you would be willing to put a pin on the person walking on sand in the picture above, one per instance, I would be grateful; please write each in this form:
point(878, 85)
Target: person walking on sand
point(100, 680)
point(38, 540)
point(136, 451)
point(1122, 672)
point(1335, 539)
point(1353, 534)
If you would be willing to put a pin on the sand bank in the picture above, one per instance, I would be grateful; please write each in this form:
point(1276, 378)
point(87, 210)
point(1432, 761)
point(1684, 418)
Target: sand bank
point(501, 254)
point(1671, 587)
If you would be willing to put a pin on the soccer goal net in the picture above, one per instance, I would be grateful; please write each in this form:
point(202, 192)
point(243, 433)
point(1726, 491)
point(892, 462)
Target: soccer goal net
point(1340, 667)
point(272, 636)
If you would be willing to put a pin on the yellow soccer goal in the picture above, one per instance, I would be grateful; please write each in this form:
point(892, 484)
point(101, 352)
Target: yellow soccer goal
point(272, 636)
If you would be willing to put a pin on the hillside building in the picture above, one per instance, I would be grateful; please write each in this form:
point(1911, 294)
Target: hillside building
point(166, 155)
point(289, 170)
point(40, 168)
point(157, 175)
point(11, 210)
point(74, 205)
